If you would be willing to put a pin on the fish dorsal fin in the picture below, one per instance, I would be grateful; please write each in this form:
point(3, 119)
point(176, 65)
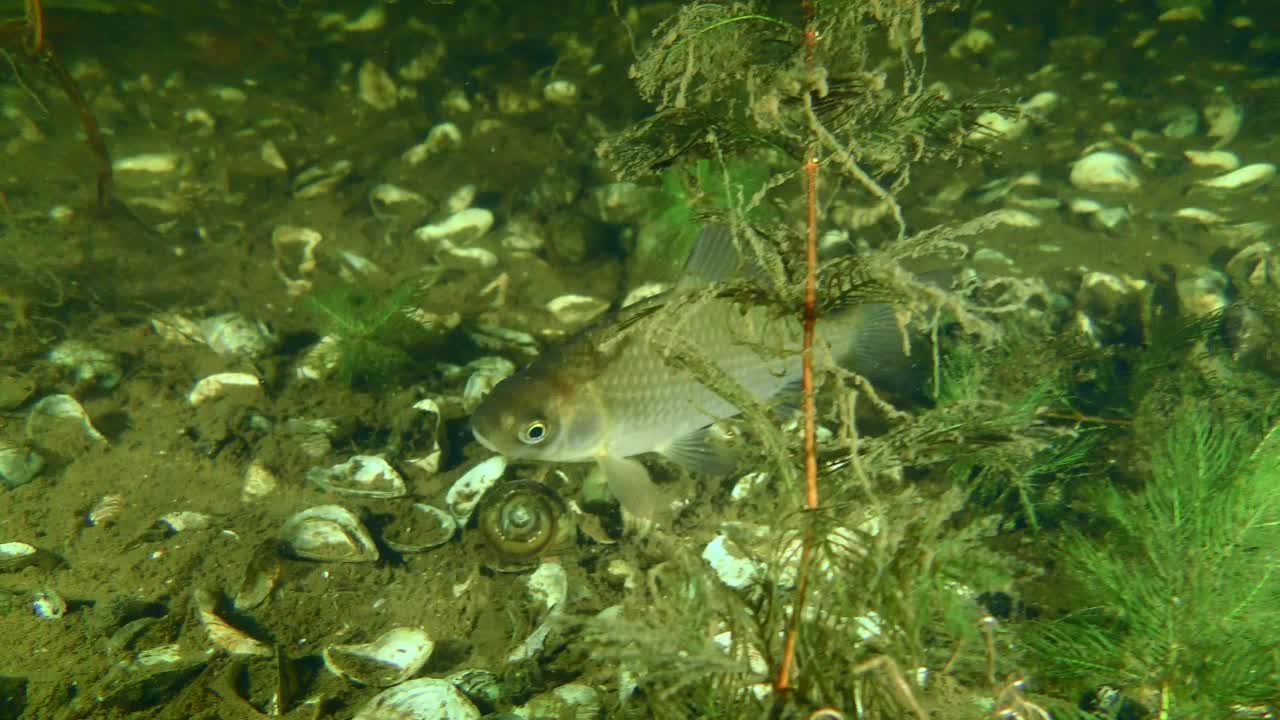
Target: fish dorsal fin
point(714, 258)
point(699, 452)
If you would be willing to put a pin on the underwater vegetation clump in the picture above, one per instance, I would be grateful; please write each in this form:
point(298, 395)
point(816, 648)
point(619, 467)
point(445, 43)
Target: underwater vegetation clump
point(374, 333)
point(1176, 591)
point(866, 601)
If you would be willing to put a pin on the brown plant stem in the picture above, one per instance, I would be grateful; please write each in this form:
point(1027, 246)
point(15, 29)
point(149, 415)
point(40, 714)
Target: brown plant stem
point(37, 47)
point(783, 681)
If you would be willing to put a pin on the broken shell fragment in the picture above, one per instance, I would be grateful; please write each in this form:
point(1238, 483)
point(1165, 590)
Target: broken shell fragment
point(221, 384)
point(221, 634)
point(260, 576)
point(295, 255)
point(48, 604)
point(393, 658)
point(363, 475)
point(328, 533)
point(420, 699)
point(467, 490)
point(420, 528)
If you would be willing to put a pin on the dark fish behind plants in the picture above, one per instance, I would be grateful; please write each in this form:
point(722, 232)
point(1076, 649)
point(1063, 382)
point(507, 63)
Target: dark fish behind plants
point(608, 394)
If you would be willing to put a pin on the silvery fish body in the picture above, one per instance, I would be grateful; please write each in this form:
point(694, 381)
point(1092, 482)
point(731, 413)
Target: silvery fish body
point(612, 392)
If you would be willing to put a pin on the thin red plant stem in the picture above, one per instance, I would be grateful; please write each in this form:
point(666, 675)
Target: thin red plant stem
point(37, 46)
point(35, 27)
point(783, 681)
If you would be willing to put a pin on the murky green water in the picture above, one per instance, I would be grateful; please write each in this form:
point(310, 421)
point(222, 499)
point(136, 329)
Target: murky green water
point(235, 380)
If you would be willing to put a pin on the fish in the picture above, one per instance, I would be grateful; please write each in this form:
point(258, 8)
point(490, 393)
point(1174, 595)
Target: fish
point(611, 393)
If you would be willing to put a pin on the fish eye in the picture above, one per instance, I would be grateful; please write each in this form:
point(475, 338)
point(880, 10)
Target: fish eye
point(534, 432)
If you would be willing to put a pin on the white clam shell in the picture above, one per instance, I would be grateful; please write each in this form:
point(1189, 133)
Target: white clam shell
point(15, 555)
point(386, 198)
point(442, 137)
point(560, 92)
point(1214, 159)
point(1104, 170)
point(375, 86)
point(576, 309)
point(1199, 215)
point(1202, 292)
point(420, 699)
point(259, 482)
point(53, 412)
point(394, 657)
point(467, 224)
point(489, 371)
point(1249, 176)
point(220, 384)
point(574, 700)
point(464, 258)
point(731, 564)
point(18, 466)
point(467, 490)
point(362, 475)
point(157, 163)
point(461, 198)
point(234, 335)
point(328, 533)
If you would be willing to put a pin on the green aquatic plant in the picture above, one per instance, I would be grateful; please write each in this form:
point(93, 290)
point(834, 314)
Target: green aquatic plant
point(1176, 598)
point(374, 335)
point(688, 191)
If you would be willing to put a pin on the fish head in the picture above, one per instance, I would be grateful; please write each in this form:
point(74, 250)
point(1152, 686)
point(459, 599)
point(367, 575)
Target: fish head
point(536, 418)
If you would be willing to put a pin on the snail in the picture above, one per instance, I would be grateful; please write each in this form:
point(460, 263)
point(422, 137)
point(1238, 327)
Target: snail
point(522, 521)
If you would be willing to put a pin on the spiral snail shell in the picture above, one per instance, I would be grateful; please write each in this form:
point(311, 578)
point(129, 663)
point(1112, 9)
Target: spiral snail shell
point(523, 520)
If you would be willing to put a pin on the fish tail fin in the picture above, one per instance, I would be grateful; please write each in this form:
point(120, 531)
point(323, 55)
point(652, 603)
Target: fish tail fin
point(868, 340)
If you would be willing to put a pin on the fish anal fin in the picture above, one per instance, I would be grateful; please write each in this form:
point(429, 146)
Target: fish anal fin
point(700, 453)
point(629, 482)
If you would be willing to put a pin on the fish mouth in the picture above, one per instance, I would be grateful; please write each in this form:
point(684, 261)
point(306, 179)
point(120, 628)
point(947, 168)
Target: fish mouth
point(482, 439)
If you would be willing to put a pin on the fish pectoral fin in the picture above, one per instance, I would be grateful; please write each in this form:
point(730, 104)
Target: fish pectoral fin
point(699, 452)
point(629, 482)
